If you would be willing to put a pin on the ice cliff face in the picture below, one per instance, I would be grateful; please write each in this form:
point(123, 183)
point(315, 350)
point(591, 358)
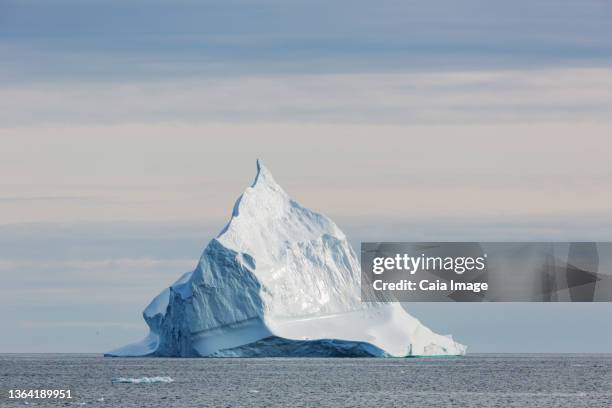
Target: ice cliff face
point(278, 280)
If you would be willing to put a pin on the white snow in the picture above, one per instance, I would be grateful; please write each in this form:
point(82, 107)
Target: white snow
point(277, 269)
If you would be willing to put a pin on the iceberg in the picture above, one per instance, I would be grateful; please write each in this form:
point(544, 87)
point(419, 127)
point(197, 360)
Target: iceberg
point(279, 280)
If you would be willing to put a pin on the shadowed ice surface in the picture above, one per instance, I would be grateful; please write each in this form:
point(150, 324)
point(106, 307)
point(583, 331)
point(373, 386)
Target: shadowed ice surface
point(508, 380)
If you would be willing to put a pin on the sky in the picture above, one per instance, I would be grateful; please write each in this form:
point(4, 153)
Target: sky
point(128, 129)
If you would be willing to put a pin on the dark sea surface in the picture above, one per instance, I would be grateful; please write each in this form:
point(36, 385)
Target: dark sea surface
point(485, 380)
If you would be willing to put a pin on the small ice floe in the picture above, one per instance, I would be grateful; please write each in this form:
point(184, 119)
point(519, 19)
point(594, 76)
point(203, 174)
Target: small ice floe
point(142, 380)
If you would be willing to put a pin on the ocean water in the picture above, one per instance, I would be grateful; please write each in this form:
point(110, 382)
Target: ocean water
point(485, 380)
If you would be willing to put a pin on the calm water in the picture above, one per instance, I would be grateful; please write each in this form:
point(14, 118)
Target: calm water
point(473, 381)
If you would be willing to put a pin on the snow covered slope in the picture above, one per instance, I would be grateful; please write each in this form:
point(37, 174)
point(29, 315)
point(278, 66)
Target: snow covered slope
point(279, 280)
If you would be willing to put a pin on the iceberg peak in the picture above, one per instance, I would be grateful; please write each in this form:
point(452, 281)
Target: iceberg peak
point(264, 179)
point(265, 221)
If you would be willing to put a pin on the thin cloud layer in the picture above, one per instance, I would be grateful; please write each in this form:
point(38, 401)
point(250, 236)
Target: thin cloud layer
point(461, 97)
point(66, 40)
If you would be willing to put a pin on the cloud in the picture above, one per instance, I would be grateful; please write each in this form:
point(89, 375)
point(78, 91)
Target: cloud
point(194, 173)
point(84, 265)
point(458, 97)
point(64, 40)
point(41, 198)
point(98, 281)
point(68, 324)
